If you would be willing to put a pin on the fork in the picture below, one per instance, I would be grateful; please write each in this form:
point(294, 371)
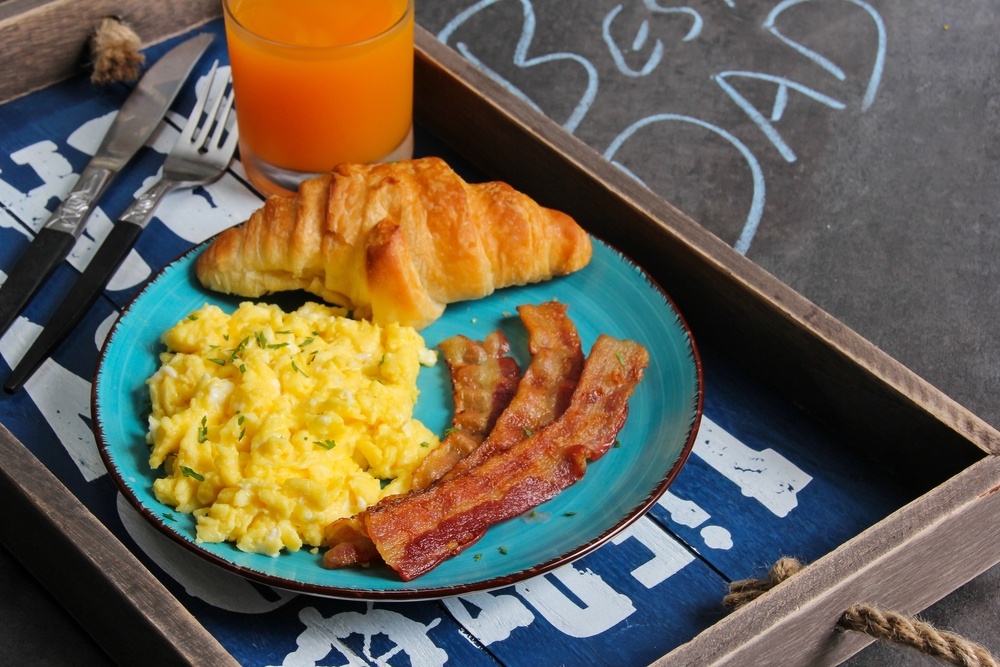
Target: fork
point(201, 155)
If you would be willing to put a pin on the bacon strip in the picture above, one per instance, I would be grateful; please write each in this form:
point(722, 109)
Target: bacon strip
point(484, 380)
point(349, 543)
point(415, 533)
point(542, 395)
point(544, 392)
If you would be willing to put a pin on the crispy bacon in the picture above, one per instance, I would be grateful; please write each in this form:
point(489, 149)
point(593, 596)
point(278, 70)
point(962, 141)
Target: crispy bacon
point(545, 390)
point(484, 380)
point(349, 543)
point(542, 395)
point(416, 532)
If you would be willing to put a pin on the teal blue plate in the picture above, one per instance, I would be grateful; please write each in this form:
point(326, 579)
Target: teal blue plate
point(611, 295)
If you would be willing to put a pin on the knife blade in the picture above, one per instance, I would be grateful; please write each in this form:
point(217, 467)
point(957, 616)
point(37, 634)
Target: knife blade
point(141, 113)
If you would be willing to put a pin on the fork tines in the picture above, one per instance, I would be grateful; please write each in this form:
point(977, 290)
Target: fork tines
point(213, 125)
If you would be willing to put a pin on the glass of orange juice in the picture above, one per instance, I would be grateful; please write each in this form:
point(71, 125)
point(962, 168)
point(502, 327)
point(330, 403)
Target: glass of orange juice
point(318, 83)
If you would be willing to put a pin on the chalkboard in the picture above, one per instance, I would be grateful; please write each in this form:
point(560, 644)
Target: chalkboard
point(850, 148)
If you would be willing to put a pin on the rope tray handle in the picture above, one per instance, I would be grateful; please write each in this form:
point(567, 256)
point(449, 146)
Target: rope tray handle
point(880, 624)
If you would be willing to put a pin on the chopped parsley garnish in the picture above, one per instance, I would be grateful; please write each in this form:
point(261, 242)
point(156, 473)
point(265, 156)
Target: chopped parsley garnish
point(326, 444)
point(203, 430)
point(188, 472)
point(298, 370)
point(239, 348)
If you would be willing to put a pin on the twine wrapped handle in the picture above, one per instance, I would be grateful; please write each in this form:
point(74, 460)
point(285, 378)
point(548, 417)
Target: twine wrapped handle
point(884, 625)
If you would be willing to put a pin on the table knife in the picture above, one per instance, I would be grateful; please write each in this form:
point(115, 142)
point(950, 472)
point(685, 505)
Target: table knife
point(142, 111)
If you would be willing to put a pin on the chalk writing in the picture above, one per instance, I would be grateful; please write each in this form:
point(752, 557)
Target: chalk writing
point(876, 75)
point(780, 102)
point(757, 204)
point(649, 53)
point(639, 42)
point(522, 60)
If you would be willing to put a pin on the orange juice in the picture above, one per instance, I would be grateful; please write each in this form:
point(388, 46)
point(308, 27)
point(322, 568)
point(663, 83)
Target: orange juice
point(319, 82)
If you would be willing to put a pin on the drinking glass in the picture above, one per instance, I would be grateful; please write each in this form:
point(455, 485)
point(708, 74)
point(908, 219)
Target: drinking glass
point(319, 83)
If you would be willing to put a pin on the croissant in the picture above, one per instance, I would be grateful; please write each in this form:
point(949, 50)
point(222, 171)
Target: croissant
point(394, 242)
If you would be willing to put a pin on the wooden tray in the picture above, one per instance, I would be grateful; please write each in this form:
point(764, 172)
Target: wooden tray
point(751, 322)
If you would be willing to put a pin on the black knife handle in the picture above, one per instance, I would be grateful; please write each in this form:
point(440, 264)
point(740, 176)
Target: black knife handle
point(80, 298)
point(46, 250)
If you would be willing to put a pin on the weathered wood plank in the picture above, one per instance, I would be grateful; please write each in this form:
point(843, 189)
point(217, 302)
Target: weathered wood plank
point(49, 40)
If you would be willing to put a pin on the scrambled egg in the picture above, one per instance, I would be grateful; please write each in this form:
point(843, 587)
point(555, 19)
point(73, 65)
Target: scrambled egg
point(270, 425)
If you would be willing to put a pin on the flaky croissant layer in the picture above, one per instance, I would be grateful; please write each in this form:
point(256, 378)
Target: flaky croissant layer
point(395, 242)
